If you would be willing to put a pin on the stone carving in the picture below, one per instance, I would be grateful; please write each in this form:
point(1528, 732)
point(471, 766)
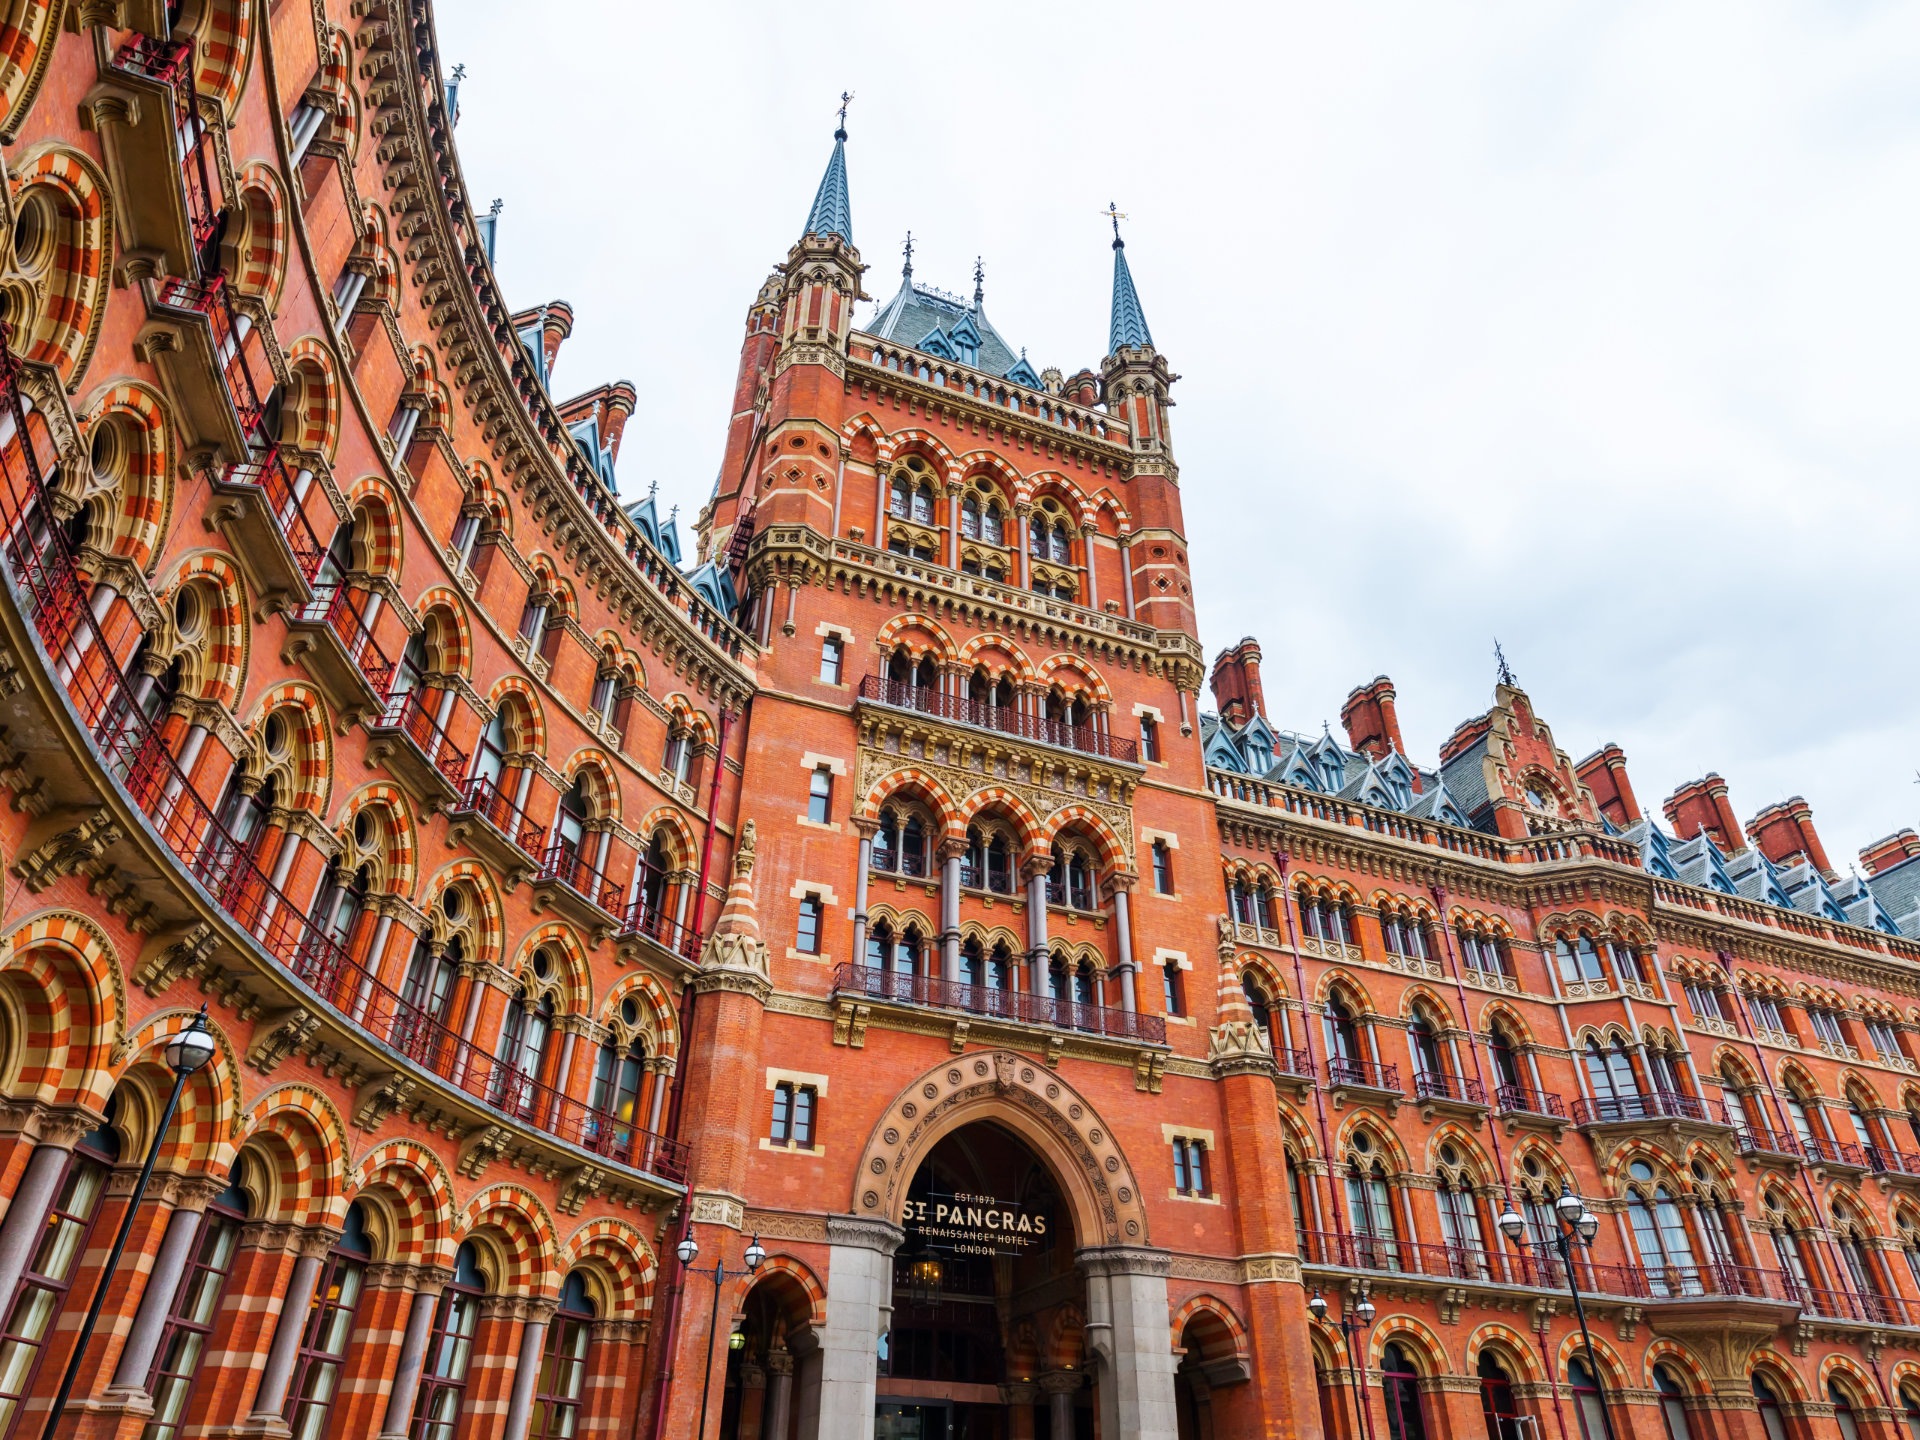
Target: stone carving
point(581, 1186)
point(381, 1099)
point(486, 1146)
point(292, 1031)
point(68, 851)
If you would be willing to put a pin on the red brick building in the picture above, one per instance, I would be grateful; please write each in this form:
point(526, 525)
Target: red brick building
point(1025, 1034)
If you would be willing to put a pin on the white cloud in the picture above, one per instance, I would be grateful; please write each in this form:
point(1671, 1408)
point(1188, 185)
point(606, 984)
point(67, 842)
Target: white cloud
point(1593, 327)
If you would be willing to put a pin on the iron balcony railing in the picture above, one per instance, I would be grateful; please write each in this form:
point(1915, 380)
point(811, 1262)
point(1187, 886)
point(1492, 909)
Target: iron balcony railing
point(341, 610)
point(33, 548)
point(564, 862)
point(479, 795)
point(1006, 719)
point(1435, 1085)
point(1022, 1007)
point(1651, 1105)
point(1522, 1100)
point(1367, 1073)
point(406, 711)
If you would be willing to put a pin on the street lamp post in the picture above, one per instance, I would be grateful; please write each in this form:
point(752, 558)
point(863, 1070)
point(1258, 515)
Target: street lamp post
point(1577, 1225)
point(1353, 1321)
point(689, 1250)
point(186, 1053)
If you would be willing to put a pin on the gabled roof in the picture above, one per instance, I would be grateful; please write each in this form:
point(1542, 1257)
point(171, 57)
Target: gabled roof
point(664, 538)
point(1698, 862)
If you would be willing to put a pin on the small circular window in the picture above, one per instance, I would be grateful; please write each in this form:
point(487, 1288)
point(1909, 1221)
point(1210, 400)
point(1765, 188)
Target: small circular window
point(365, 829)
point(189, 612)
point(275, 736)
point(34, 227)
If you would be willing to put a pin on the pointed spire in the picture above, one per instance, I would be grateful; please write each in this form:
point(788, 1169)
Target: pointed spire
point(979, 284)
point(832, 212)
point(1128, 328)
point(906, 269)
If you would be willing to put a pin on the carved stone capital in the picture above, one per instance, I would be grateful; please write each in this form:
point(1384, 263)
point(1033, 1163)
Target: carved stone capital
point(1123, 1260)
point(865, 1234)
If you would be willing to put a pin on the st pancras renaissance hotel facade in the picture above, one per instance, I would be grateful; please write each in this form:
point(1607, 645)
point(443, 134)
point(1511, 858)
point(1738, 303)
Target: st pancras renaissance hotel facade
point(469, 971)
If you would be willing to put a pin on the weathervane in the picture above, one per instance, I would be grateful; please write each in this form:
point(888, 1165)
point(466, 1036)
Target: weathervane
point(1500, 659)
point(459, 72)
point(1116, 215)
point(907, 250)
point(846, 99)
point(979, 282)
point(497, 206)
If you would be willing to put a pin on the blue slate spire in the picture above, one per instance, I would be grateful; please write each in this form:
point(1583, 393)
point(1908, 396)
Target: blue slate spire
point(832, 213)
point(1128, 328)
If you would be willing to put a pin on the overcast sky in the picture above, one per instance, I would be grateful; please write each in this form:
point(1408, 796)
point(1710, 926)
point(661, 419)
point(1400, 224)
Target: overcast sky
point(1590, 327)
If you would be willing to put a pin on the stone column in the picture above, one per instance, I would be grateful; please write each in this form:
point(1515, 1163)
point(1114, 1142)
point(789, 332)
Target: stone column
point(950, 853)
point(1021, 513)
point(859, 956)
point(776, 1423)
point(1019, 1398)
point(1123, 936)
point(294, 1306)
point(1087, 534)
point(412, 1360)
point(526, 1370)
point(859, 1312)
point(1126, 571)
point(1061, 1386)
point(156, 1301)
point(1037, 925)
point(753, 1403)
point(1128, 1338)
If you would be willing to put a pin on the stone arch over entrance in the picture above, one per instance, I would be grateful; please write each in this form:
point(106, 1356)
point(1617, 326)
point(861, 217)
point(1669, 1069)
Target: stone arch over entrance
point(1025, 1097)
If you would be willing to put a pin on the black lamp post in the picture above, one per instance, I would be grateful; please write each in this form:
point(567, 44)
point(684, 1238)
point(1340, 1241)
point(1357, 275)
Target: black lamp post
point(689, 1250)
point(1357, 1317)
point(1577, 1225)
point(187, 1053)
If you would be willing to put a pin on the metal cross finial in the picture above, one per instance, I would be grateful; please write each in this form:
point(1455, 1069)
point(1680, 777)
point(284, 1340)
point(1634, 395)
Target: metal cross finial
point(846, 99)
point(1114, 213)
point(979, 281)
point(674, 513)
point(1500, 659)
point(653, 488)
point(907, 250)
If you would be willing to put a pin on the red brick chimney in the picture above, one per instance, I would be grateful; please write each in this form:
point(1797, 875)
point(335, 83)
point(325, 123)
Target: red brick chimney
point(1702, 805)
point(1785, 834)
point(1605, 773)
point(621, 398)
point(1373, 726)
point(1236, 683)
point(1895, 849)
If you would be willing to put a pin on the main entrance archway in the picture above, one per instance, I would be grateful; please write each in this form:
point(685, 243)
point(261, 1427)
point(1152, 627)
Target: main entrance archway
point(993, 1279)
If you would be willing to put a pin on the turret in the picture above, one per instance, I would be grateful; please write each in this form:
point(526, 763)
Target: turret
point(822, 273)
point(1136, 385)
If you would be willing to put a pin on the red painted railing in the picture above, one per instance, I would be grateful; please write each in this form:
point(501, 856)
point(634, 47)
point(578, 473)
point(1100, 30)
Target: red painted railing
point(407, 712)
point(342, 612)
point(1654, 1105)
point(1019, 1006)
point(170, 63)
point(1432, 1085)
point(481, 796)
point(53, 597)
point(1369, 1073)
point(564, 862)
point(1007, 719)
point(645, 918)
point(1520, 1099)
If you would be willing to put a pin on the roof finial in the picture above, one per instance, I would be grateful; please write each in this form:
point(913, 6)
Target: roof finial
point(653, 487)
point(1114, 213)
point(497, 206)
point(1506, 671)
point(906, 270)
point(673, 514)
point(979, 282)
point(459, 72)
point(846, 99)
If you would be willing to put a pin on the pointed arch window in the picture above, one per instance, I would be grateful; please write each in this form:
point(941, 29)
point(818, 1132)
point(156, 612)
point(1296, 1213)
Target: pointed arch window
point(1660, 1234)
point(1370, 1206)
point(563, 1367)
point(1423, 1041)
point(443, 1378)
point(1497, 1402)
point(1844, 1418)
point(1767, 1400)
point(190, 1321)
point(1343, 1035)
point(1400, 1384)
point(1506, 1066)
point(327, 1330)
point(1460, 1219)
point(1587, 1401)
point(1616, 1090)
point(619, 1074)
point(1673, 1404)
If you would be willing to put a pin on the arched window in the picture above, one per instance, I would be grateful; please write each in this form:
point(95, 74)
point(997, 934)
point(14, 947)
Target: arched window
point(62, 1240)
point(677, 760)
point(1343, 1038)
point(1460, 1218)
point(606, 694)
point(490, 751)
point(1660, 1234)
point(1843, 1411)
point(973, 864)
point(1767, 1400)
point(1000, 968)
point(443, 1377)
point(328, 1328)
point(1711, 1209)
point(523, 1046)
point(1000, 865)
point(570, 822)
point(886, 841)
point(1786, 1245)
point(1673, 1406)
point(1864, 1131)
point(1400, 1384)
point(1370, 1206)
point(426, 995)
point(619, 1073)
point(563, 1368)
point(1799, 1115)
point(1258, 1003)
point(1423, 1041)
point(1497, 1401)
point(196, 1305)
point(973, 962)
point(913, 846)
point(970, 517)
point(1616, 1090)
point(1910, 1405)
point(1506, 1065)
point(1861, 1276)
point(923, 503)
point(1587, 1401)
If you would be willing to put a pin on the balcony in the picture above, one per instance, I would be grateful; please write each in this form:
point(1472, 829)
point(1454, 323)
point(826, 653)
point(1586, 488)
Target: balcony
point(158, 153)
point(568, 884)
point(491, 826)
point(1363, 1080)
point(645, 922)
point(1016, 1007)
point(1660, 1109)
point(1298, 1063)
point(1760, 1143)
point(415, 750)
point(1834, 1154)
point(999, 719)
point(329, 637)
point(1519, 1100)
point(261, 511)
point(1437, 1091)
point(191, 338)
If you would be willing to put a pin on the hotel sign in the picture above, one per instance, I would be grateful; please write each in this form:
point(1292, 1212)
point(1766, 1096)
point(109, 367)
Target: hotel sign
point(974, 1224)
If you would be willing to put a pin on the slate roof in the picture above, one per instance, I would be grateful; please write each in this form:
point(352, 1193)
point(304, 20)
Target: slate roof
point(1128, 327)
point(832, 212)
point(937, 323)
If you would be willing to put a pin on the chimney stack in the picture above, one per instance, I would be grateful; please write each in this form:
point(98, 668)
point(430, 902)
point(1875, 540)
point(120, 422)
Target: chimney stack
point(621, 398)
point(1785, 834)
point(1236, 683)
point(1702, 805)
point(556, 324)
point(1373, 725)
point(1895, 849)
point(1605, 773)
